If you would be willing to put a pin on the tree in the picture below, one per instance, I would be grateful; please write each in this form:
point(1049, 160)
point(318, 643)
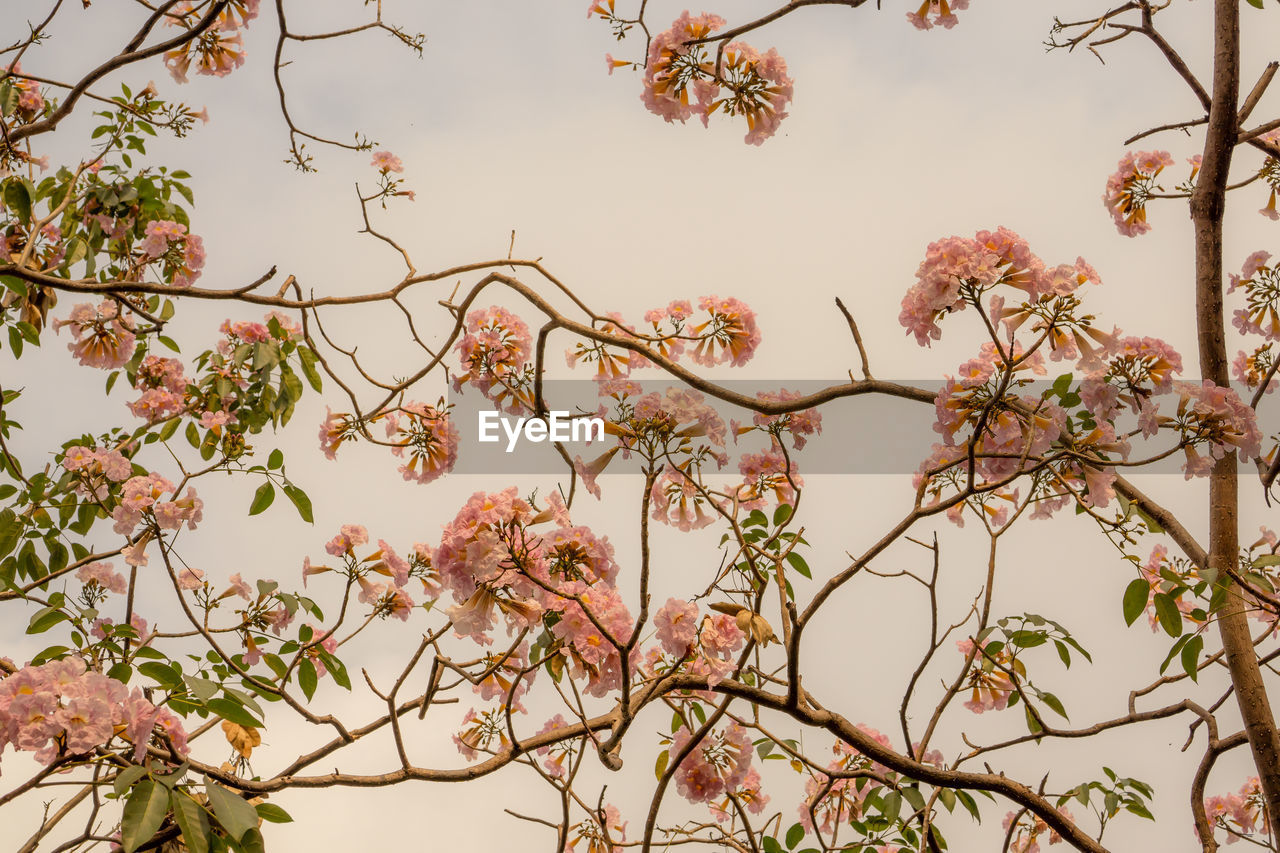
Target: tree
point(562, 649)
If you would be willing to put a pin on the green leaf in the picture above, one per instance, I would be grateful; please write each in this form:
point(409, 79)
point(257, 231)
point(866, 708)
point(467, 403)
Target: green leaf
point(780, 516)
point(1027, 639)
point(233, 711)
point(143, 814)
point(1032, 725)
point(1168, 614)
point(796, 833)
point(1055, 703)
point(307, 678)
point(45, 619)
point(660, 766)
point(1191, 656)
point(770, 844)
point(262, 498)
point(127, 777)
point(337, 669)
point(273, 813)
point(1135, 599)
point(797, 562)
point(1257, 4)
point(276, 459)
point(308, 359)
point(969, 804)
point(1173, 651)
point(192, 820)
point(202, 688)
point(10, 531)
point(18, 199)
point(235, 815)
point(161, 673)
point(300, 502)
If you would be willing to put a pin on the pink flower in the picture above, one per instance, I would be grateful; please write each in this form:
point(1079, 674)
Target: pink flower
point(160, 234)
point(667, 82)
point(677, 501)
point(764, 473)
point(799, 424)
point(494, 351)
point(719, 763)
point(135, 554)
point(677, 624)
point(347, 539)
point(1220, 419)
point(104, 577)
point(941, 11)
point(385, 162)
point(239, 587)
point(429, 437)
point(189, 578)
point(729, 334)
point(103, 338)
point(1131, 186)
point(762, 93)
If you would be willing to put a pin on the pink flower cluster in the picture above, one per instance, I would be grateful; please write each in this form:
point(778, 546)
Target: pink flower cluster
point(676, 500)
point(102, 336)
point(991, 684)
point(800, 424)
point(1216, 417)
point(429, 437)
point(1010, 428)
point(718, 764)
point(219, 50)
point(163, 385)
point(182, 254)
point(241, 332)
point(96, 469)
point(942, 14)
point(729, 334)
point(756, 87)
point(348, 539)
point(1260, 282)
point(673, 70)
point(664, 424)
point(770, 472)
point(957, 269)
point(142, 495)
point(746, 82)
point(711, 640)
point(494, 350)
point(61, 708)
point(104, 577)
point(1130, 188)
point(491, 560)
point(1242, 814)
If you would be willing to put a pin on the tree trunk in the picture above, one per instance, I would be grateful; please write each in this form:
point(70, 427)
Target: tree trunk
point(1208, 204)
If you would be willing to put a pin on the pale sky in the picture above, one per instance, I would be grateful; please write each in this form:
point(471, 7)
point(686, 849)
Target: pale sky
point(509, 121)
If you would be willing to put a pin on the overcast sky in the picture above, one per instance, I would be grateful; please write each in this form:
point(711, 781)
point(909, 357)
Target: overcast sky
point(509, 121)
